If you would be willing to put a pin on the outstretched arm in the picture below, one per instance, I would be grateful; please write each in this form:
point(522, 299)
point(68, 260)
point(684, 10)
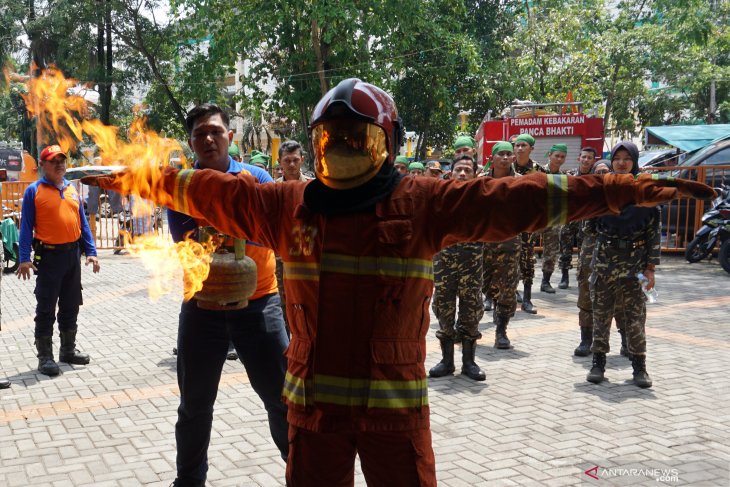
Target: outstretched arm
point(233, 204)
point(494, 210)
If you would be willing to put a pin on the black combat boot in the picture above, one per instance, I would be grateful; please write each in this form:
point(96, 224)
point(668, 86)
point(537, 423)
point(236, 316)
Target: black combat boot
point(545, 285)
point(488, 303)
point(641, 377)
point(469, 367)
point(68, 352)
point(586, 339)
point(527, 305)
point(46, 364)
point(4, 383)
point(500, 334)
point(598, 369)
point(446, 366)
point(565, 280)
point(624, 347)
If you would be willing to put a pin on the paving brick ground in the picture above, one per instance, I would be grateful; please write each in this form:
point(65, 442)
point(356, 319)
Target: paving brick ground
point(535, 421)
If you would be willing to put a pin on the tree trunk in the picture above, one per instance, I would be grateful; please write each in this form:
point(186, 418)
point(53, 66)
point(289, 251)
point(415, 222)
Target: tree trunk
point(317, 44)
point(106, 99)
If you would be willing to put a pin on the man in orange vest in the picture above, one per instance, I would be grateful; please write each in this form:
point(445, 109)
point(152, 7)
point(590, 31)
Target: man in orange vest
point(357, 244)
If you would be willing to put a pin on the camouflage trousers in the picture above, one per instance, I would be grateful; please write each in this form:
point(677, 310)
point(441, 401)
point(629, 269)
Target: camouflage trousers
point(615, 290)
point(585, 305)
point(568, 233)
point(458, 274)
point(501, 276)
point(550, 248)
point(527, 257)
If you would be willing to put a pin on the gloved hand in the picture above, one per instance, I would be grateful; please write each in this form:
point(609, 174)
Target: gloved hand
point(656, 189)
point(105, 181)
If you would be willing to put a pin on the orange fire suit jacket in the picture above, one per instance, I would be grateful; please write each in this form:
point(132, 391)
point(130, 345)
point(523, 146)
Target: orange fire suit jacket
point(359, 285)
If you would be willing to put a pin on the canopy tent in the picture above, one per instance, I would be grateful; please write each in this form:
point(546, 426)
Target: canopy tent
point(686, 137)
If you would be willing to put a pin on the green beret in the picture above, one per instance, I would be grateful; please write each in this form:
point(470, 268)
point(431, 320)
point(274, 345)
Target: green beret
point(502, 146)
point(401, 160)
point(464, 141)
point(416, 165)
point(526, 138)
point(558, 148)
point(233, 150)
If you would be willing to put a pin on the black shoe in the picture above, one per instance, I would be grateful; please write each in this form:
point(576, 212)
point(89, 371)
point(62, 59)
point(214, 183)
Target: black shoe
point(232, 355)
point(174, 350)
point(586, 339)
point(46, 364)
point(545, 285)
point(527, 305)
point(68, 352)
point(446, 366)
point(469, 367)
point(4, 383)
point(518, 296)
point(565, 280)
point(641, 377)
point(599, 368)
point(501, 341)
point(488, 303)
point(188, 483)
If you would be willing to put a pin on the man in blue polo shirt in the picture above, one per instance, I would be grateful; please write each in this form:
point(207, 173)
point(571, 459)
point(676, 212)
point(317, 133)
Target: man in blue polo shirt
point(257, 331)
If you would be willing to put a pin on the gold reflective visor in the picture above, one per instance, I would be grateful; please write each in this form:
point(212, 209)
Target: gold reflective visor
point(348, 153)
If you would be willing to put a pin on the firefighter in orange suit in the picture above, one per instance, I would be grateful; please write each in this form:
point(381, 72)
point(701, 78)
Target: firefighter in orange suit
point(357, 244)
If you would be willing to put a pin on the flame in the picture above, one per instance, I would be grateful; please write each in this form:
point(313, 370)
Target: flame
point(165, 261)
point(65, 119)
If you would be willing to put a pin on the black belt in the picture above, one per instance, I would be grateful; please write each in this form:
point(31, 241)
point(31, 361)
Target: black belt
point(60, 247)
point(621, 244)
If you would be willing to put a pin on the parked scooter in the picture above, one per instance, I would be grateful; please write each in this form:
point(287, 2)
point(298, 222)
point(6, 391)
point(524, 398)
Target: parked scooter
point(9, 234)
point(715, 228)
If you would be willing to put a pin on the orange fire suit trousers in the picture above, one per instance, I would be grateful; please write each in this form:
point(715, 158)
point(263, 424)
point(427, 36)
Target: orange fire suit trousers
point(387, 458)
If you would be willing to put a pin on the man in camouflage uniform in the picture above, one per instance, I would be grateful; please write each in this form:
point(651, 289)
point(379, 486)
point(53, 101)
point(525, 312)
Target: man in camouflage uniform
point(585, 307)
point(572, 230)
point(523, 146)
point(458, 273)
point(551, 235)
point(626, 245)
point(501, 259)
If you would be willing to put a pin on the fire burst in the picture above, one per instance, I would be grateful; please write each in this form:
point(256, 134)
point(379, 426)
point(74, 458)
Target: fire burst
point(65, 120)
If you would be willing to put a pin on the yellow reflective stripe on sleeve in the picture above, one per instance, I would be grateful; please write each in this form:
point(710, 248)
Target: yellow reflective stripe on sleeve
point(294, 389)
point(377, 266)
point(179, 195)
point(557, 199)
point(304, 271)
point(343, 391)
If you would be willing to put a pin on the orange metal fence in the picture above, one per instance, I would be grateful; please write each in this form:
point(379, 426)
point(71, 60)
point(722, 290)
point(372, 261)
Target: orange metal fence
point(107, 223)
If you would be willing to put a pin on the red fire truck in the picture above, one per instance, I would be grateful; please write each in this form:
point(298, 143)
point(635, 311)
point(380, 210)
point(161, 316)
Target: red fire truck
point(571, 127)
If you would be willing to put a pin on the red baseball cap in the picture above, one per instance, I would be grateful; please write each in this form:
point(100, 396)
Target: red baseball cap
point(51, 151)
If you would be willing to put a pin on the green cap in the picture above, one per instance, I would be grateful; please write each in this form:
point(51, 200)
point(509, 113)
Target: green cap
point(259, 159)
point(401, 160)
point(233, 150)
point(502, 146)
point(526, 138)
point(416, 165)
point(558, 148)
point(464, 141)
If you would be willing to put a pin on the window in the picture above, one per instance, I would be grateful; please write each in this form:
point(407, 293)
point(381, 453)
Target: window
point(719, 158)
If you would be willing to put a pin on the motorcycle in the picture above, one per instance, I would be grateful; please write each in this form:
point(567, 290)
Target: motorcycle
point(9, 234)
point(715, 227)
